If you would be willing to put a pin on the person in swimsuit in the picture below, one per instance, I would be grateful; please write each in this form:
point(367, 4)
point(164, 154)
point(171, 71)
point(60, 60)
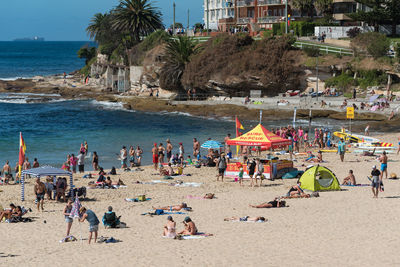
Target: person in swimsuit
point(139, 153)
point(170, 228)
point(350, 179)
point(174, 207)
point(40, 191)
point(67, 213)
point(95, 161)
point(295, 190)
point(245, 219)
point(196, 147)
point(132, 156)
point(7, 172)
point(161, 151)
point(154, 151)
point(86, 147)
point(181, 152)
point(190, 227)
point(384, 160)
point(124, 157)
point(169, 150)
point(35, 163)
point(7, 213)
point(276, 203)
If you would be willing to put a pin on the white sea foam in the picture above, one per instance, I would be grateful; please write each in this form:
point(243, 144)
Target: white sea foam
point(108, 105)
point(13, 78)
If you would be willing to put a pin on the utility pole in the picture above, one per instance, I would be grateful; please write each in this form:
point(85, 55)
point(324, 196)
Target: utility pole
point(173, 25)
point(188, 21)
point(317, 76)
point(286, 16)
point(208, 15)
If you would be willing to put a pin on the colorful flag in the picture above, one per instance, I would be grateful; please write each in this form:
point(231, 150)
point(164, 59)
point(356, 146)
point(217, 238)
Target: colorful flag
point(238, 124)
point(75, 209)
point(22, 149)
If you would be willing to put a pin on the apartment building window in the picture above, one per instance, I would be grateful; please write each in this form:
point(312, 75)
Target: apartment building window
point(250, 13)
point(344, 8)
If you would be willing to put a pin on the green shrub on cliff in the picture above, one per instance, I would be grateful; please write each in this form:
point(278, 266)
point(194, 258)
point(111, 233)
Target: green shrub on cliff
point(373, 43)
point(343, 82)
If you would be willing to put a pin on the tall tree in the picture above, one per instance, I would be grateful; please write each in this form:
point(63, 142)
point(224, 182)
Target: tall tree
point(325, 6)
point(393, 14)
point(137, 18)
point(178, 52)
point(305, 7)
point(97, 27)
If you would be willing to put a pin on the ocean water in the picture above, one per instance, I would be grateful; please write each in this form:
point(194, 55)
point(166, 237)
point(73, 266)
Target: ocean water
point(28, 59)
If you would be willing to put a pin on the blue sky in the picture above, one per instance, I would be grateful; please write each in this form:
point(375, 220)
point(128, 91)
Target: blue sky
point(58, 20)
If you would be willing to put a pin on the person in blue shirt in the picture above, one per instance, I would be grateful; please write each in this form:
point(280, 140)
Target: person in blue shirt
point(341, 149)
point(91, 217)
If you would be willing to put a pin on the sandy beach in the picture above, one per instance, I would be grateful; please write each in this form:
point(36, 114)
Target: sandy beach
point(346, 227)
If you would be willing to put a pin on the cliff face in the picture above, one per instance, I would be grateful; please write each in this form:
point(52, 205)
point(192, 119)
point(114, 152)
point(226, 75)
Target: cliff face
point(234, 65)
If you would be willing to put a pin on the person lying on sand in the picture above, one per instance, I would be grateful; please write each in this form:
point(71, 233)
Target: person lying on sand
point(302, 195)
point(7, 212)
point(276, 203)
point(350, 179)
point(245, 219)
point(183, 205)
point(371, 154)
point(190, 227)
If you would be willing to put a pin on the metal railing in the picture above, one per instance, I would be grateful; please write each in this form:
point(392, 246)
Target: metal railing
point(325, 48)
point(244, 20)
point(243, 3)
point(270, 19)
point(269, 2)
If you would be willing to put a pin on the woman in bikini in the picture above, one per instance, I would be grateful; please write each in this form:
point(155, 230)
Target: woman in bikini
point(276, 203)
point(161, 151)
point(170, 228)
point(245, 219)
point(173, 208)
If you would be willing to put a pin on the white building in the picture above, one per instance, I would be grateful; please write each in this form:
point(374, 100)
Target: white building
point(216, 10)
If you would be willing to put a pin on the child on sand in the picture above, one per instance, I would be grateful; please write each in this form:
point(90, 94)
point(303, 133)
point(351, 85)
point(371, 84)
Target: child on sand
point(240, 174)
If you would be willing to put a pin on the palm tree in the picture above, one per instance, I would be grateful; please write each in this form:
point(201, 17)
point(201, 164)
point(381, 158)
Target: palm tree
point(178, 52)
point(97, 26)
point(136, 17)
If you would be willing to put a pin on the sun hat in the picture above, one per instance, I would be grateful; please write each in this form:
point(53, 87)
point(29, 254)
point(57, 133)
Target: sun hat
point(374, 167)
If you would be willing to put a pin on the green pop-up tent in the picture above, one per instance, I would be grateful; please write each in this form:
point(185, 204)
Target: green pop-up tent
point(319, 178)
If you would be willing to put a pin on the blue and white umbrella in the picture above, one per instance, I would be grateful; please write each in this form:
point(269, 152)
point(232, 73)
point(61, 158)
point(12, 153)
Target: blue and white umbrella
point(211, 144)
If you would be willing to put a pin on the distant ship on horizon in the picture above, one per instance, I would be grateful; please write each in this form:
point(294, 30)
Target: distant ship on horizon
point(30, 39)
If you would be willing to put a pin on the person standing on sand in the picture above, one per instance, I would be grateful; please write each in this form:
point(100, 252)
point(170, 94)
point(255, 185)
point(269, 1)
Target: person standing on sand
point(91, 217)
point(169, 150)
point(383, 159)
point(221, 165)
point(341, 149)
point(123, 156)
point(26, 165)
point(73, 162)
point(154, 150)
point(376, 181)
point(132, 156)
point(95, 161)
point(161, 152)
point(139, 153)
point(35, 163)
point(7, 171)
point(196, 147)
point(181, 152)
point(81, 162)
point(40, 191)
point(67, 213)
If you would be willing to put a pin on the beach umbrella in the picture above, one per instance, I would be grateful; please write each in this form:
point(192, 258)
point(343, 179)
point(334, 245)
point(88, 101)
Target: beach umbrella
point(373, 98)
point(211, 144)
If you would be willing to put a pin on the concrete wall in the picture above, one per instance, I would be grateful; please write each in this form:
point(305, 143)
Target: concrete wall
point(135, 74)
point(341, 32)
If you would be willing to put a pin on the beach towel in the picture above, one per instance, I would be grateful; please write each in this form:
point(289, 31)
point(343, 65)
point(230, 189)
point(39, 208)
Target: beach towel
point(135, 199)
point(356, 185)
point(164, 213)
point(196, 236)
point(187, 185)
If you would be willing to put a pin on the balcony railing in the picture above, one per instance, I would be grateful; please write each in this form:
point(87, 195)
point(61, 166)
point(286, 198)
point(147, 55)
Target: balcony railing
point(244, 20)
point(245, 3)
point(270, 19)
point(270, 2)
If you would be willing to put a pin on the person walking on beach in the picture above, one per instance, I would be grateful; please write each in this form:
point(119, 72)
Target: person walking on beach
point(196, 147)
point(40, 191)
point(91, 217)
point(154, 150)
point(383, 159)
point(123, 156)
point(251, 167)
point(376, 181)
point(81, 162)
point(169, 150)
point(341, 149)
point(221, 165)
point(366, 131)
point(139, 153)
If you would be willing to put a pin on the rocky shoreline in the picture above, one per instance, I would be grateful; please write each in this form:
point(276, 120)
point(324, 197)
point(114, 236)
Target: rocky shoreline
point(73, 89)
